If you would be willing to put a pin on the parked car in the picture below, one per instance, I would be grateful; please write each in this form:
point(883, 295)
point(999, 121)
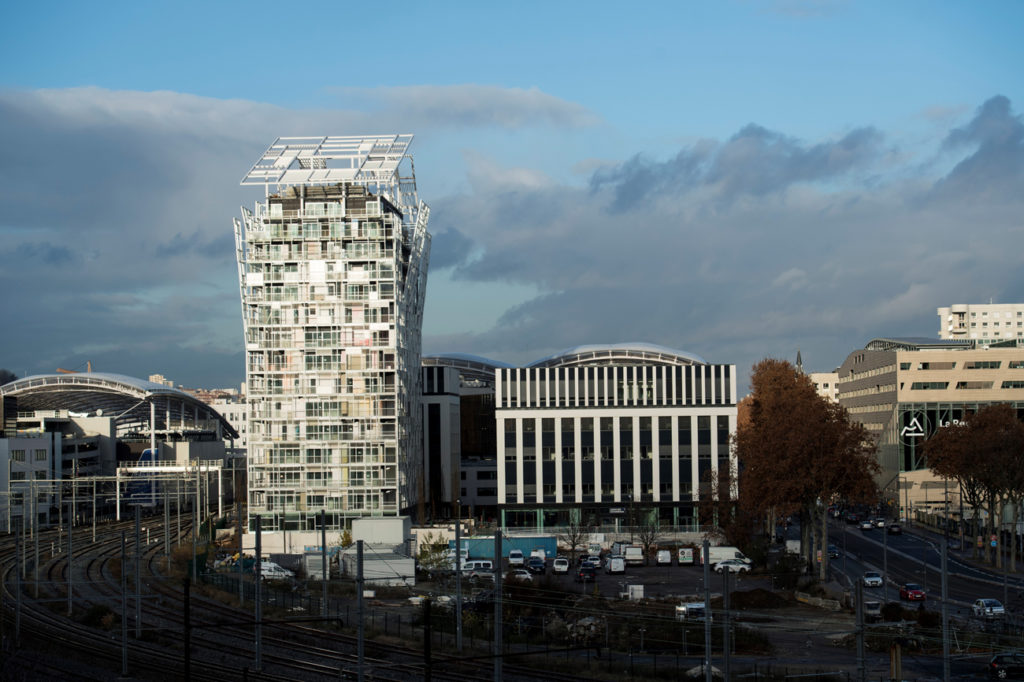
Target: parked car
point(867, 524)
point(895, 529)
point(1006, 667)
point(872, 611)
point(872, 579)
point(516, 558)
point(912, 592)
point(595, 560)
point(586, 573)
point(560, 565)
point(731, 565)
point(536, 565)
point(519, 574)
point(833, 552)
point(988, 608)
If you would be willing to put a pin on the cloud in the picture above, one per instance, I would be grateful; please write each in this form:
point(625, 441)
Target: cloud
point(996, 164)
point(751, 246)
point(754, 162)
point(474, 105)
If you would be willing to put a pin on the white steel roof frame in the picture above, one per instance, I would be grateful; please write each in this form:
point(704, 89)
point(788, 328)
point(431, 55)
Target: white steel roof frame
point(329, 160)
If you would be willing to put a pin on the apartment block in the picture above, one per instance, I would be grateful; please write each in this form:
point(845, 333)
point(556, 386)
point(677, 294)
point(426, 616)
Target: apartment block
point(985, 323)
point(332, 266)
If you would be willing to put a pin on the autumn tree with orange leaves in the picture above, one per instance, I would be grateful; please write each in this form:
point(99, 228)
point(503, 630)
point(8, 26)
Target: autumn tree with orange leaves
point(983, 454)
point(799, 452)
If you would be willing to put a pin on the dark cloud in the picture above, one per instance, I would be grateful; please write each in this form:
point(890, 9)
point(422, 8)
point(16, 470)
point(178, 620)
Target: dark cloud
point(756, 161)
point(751, 247)
point(449, 248)
point(996, 164)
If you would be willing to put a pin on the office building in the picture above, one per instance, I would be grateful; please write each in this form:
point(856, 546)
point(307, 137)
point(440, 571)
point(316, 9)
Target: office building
point(904, 389)
point(332, 268)
point(609, 435)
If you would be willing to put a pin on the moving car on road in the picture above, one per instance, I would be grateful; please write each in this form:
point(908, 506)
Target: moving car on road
point(731, 565)
point(833, 552)
point(912, 592)
point(1006, 667)
point(872, 579)
point(987, 608)
point(895, 529)
point(866, 524)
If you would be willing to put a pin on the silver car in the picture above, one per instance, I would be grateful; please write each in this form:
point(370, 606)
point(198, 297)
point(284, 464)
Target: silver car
point(872, 579)
point(987, 608)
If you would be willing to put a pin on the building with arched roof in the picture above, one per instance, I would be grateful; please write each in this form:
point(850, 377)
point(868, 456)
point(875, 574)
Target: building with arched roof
point(602, 435)
point(62, 428)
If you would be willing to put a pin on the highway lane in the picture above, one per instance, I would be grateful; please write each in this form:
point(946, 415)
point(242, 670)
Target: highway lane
point(916, 558)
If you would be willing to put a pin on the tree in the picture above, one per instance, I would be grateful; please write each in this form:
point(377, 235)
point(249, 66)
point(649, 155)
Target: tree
point(799, 451)
point(982, 453)
point(648, 533)
point(573, 536)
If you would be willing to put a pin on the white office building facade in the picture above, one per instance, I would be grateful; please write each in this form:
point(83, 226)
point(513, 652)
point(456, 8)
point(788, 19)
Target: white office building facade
point(983, 323)
point(332, 269)
point(608, 434)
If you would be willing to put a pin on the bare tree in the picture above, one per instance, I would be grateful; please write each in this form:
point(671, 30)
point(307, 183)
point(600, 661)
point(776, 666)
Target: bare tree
point(648, 534)
point(573, 537)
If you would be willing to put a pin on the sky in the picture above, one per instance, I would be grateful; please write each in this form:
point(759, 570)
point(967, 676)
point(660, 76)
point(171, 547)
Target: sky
point(737, 179)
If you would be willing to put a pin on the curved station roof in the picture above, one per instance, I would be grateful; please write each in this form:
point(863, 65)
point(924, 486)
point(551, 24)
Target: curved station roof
point(595, 354)
point(618, 354)
point(126, 399)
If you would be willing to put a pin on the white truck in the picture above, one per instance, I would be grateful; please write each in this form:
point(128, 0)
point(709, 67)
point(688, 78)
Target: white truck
point(634, 555)
point(716, 554)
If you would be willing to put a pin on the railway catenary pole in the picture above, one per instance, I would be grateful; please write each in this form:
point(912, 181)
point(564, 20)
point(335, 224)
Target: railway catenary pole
point(138, 572)
point(167, 529)
point(71, 559)
point(35, 561)
point(726, 575)
point(945, 614)
point(707, 611)
point(17, 586)
point(258, 608)
point(240, 563)
point(323, 562)
point(862, 670)
point(498, 565)
point(458, 575)
point(359, 611)
point(124, 606)
point(94, 511)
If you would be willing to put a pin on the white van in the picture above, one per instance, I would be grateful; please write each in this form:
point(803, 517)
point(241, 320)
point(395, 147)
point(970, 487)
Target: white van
point(616, 564)
point(478, 565)
point(270, 570)
point(693, 611)
point(664, 557)
point(516, 558)
point(716, 554)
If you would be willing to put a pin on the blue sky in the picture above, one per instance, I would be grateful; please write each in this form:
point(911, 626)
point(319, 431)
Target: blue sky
point(735, 179)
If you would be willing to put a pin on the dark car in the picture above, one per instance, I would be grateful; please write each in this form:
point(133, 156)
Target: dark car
point(895, 529)
point(536, 565)
point(586, 573)
point(833, 552)
point(912, 592)
point(1006, 667)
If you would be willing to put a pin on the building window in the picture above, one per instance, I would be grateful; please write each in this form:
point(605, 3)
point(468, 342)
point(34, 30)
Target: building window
point(17, 455)
point(929, 385)
point(904, 365)
point(40, 455)
point(971, 385)
point(983, 364)
point(1013, 384)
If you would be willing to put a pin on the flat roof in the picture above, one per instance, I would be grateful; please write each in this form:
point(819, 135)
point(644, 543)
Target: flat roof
point(326, 160)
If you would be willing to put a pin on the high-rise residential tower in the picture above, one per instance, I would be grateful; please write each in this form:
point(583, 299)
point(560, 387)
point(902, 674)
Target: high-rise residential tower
point(332, 266)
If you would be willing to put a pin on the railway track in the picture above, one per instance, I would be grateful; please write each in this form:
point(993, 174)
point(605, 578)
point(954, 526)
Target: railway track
point(101, 627)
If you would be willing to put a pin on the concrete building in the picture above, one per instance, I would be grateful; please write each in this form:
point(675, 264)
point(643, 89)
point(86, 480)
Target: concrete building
point(466, 407)
point(985, 323)
point(332, 267)
point(610, 435)
point(904, 389)
point(826, 384)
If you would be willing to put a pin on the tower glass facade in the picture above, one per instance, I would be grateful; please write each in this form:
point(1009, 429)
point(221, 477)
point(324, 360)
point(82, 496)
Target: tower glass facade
point(332, 268)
